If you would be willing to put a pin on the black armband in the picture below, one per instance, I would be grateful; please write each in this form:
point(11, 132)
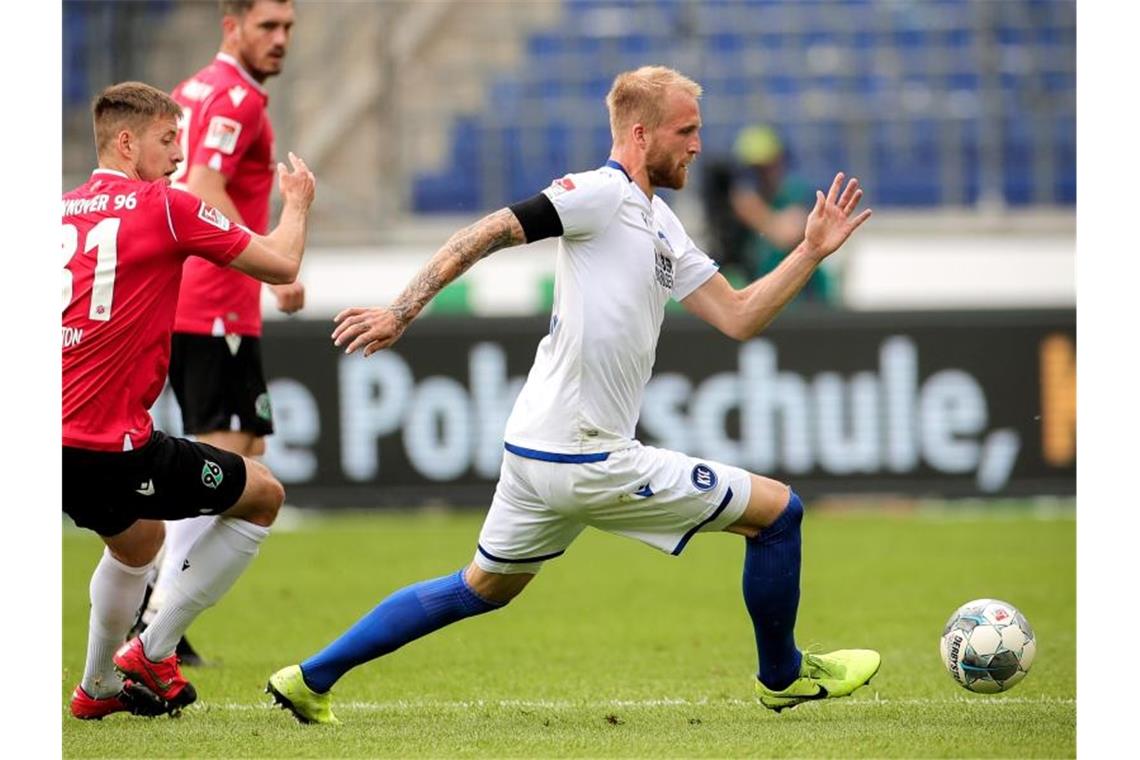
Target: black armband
point(538, 217)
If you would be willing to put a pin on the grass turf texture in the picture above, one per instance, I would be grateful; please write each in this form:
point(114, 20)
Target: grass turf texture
point(615, 649)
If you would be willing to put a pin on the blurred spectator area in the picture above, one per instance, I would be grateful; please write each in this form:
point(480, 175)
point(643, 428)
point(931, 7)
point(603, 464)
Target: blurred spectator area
point(931, 102)
point(458, 106)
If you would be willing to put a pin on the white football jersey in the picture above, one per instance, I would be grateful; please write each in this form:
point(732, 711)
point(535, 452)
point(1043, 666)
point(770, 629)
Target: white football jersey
point(621, 258)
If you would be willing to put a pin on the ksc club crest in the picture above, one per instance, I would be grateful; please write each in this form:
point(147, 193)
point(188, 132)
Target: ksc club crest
point(211, 474)
point(704, 479)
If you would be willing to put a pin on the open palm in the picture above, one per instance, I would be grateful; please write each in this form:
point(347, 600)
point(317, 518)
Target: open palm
point(830, 222)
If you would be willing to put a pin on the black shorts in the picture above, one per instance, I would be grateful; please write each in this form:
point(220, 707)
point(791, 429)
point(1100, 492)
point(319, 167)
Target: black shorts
point(213, 384)
point(167, 479)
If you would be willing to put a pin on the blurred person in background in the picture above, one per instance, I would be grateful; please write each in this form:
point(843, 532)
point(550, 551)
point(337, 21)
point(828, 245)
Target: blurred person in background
point(757, 210)
point(571, 460)
point(126, 236)
point(215, 366)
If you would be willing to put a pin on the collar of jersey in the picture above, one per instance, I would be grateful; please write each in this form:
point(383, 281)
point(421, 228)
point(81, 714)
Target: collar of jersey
point(612, 164)
point(227, 58)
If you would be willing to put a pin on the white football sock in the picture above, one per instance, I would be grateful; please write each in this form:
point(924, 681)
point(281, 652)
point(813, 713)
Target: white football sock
point(116, 593)
point(180, 536)
point(211, 566)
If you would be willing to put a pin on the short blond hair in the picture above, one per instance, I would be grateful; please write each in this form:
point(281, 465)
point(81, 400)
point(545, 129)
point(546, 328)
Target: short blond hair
point(129, 105)
point(639, 96)
point(240, 7)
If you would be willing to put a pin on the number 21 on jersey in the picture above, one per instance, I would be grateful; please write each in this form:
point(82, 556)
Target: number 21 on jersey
point(103, 239)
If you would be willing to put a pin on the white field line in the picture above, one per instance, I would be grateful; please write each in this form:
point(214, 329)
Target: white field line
point(399, 705)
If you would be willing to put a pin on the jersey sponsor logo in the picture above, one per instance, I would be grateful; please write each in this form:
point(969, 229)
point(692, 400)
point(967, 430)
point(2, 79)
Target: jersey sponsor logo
point(703, 477)
point(223, 134)
point(211, 215)
point(212, 475)
point(560, 186)
point(146, 488)
point(645, 491)
point(664, 271)
point(237, 94)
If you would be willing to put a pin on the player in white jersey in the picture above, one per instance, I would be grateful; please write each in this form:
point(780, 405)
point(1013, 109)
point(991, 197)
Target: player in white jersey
point(571, 459)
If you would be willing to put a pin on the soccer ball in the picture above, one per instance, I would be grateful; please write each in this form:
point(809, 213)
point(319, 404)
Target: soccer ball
point(988, 646)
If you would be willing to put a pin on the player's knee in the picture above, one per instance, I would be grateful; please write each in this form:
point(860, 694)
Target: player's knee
point(766, 503)
point(794, 510)
point(262, 498)
point(140, 544)
point(497, 588)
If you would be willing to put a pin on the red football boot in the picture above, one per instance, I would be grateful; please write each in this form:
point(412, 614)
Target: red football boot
point(164, 678)
point(133, 698)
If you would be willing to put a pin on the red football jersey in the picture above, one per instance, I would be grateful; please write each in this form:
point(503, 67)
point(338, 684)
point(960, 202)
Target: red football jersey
point(225, 126)
point(124, 244)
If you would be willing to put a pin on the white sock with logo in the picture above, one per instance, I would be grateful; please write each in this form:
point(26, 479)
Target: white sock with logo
point(116, 593)
point(209, 569)
point(180, 536)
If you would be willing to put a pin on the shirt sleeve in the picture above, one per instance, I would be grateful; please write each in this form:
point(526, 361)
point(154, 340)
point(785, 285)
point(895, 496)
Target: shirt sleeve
point(586, 203)
point(694, 266)
point(226, 132)
point(201, 230)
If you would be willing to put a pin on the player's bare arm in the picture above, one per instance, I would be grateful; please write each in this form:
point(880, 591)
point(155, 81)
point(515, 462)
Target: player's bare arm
point(741, 314)
point(276, 258)
point(210, 185)
point(379, 327)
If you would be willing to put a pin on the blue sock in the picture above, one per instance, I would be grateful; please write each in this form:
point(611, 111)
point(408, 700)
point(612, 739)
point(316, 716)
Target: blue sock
point(406, 615)
point(772, 594)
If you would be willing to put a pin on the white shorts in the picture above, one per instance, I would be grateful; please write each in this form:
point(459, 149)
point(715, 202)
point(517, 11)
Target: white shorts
point(657, 496)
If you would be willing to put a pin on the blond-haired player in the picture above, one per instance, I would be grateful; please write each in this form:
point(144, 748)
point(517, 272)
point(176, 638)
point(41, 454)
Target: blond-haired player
point(571, 460)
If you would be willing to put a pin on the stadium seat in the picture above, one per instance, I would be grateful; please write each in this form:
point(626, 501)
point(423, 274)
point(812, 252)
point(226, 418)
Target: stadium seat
point(794, 65)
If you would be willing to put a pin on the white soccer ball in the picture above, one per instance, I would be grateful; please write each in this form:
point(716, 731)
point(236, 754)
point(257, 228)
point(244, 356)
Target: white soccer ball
point(988, 646)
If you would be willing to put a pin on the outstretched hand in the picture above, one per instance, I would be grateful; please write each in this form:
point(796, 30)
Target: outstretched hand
point(370, 329)
point(830, 222)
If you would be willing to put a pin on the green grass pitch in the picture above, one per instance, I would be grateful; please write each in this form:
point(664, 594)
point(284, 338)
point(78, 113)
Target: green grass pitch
point(615, 649)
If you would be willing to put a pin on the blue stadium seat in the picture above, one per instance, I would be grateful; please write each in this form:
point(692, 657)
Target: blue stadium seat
point(760, 60)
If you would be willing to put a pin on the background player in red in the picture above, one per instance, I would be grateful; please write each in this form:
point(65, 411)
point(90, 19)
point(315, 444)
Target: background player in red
point(126, 235)
point(215, 367)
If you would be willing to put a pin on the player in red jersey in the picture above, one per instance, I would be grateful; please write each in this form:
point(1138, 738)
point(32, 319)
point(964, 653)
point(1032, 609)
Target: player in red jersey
point(126, 234)
point(215, 368)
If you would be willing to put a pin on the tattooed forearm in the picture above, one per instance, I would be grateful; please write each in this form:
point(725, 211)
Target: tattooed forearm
point(491, 233)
